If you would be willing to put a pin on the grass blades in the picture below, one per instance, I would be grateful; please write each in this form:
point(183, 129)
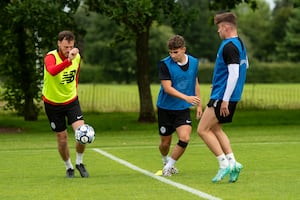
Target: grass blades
point(265, 142)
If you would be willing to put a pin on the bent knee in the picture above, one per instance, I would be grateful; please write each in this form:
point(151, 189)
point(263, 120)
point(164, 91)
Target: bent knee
point(185, 138)
point(182, 144)
point(201, 131)
point(164, 145)
point(62, 136)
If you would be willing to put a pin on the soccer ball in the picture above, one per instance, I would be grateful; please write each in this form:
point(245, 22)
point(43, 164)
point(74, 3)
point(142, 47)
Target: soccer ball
point(85, 134)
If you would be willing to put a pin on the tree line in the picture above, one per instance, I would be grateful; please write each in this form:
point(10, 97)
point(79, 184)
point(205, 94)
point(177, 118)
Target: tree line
point(128, 37)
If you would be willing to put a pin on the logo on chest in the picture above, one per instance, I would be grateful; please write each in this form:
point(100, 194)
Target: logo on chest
point(68, 77)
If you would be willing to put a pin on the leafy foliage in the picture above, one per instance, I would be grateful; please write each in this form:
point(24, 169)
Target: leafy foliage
point(261, 19)
point(129, 39)
point(230, 4)
point(201, 35)
point(135, 18)
point(291, 42)
point(27, 33)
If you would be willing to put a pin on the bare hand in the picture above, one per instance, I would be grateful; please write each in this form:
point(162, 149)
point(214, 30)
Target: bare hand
point(224, 111)
point(194, 100)
point(73, 53)
point(199, 112)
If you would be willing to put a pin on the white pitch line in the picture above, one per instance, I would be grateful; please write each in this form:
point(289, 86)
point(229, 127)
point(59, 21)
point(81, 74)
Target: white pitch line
point(162, 179)
point(204, 145)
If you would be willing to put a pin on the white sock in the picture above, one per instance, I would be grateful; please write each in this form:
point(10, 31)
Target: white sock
point(223, 162)
point(165, 159)
point(79, 158)
point(231, 159)
point(171, 163)
point(68, 164)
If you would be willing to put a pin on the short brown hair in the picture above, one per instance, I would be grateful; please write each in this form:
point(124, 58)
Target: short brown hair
point(176, 42)
point(67, 35)
point(226, 17)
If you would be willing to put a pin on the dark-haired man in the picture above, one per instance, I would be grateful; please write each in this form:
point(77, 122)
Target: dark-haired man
point(60, 98)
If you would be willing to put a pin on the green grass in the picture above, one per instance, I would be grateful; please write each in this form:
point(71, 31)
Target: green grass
point(266, 142)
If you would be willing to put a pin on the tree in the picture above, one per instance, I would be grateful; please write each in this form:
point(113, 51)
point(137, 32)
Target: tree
point(113, 56)
point(136, 18)
point(281, 14)
point(261, 36)
point(159, 34)
point(221, 5)
point(29, 29)
point(201, 35)
point(291, 42)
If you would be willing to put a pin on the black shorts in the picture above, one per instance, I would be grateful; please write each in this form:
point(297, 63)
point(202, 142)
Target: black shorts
point(217, 105)
point(57, 115)
point(169, 120)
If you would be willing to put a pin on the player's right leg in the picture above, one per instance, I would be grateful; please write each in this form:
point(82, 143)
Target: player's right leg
point(206, 126)
point(56, 117)
point(164, 148)
point(63, 149)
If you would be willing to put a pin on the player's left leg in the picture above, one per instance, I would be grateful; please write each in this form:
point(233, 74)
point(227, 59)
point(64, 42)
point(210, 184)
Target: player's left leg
point(207, 127)
point(63, 149)
point(183, 133)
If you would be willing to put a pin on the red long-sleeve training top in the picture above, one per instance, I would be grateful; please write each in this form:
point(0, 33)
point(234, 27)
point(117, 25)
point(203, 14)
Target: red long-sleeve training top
point(50, 63)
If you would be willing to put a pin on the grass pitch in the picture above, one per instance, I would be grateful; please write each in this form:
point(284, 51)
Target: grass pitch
point(267, 143)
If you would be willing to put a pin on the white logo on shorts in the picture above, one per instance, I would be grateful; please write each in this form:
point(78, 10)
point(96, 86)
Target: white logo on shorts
point(52, 124)
point(188, 121)
point(162, 130)
point(215, 103)
point(79, 117)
